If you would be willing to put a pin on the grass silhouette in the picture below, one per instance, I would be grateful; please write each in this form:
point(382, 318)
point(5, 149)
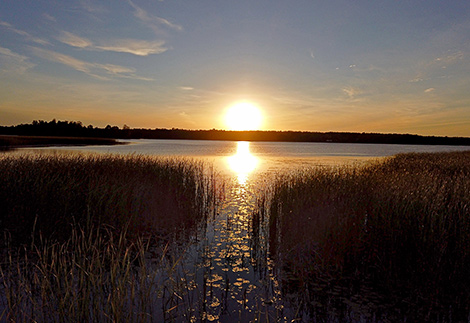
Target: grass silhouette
point(390, 238)
point(88, 237)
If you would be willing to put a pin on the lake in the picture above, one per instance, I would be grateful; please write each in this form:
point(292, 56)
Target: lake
point(250, 158)
point(228, 261)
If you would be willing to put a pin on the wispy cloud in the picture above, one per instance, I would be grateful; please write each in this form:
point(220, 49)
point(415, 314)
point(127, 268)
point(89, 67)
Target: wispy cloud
point(25, 34)
point(352, 92)
point(451, 57)
point(311, 54)
point(91, 6)
point(49, 17)
point(431, 89)
point(70, 61)
point(13, 62)
point(134, 46)
point(131, 46)
point(435, 68)
point(186, 88)
point(74, 40)
point(115, 69)
point(416, 79)
point(187, 118)
point(152, 21)
point(93, 69)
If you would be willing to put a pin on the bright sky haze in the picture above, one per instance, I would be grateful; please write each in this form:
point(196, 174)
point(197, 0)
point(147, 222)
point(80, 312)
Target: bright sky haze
point(340, 65)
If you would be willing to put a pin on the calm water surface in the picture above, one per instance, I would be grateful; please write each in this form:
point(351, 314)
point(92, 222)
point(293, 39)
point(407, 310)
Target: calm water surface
point(229, 273)
point(245, 158)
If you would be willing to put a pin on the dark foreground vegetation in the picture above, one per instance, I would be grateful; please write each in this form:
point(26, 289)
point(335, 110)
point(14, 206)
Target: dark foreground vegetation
point(77, 129)
point(49, 193)
point(86, 237)
point(388, 241)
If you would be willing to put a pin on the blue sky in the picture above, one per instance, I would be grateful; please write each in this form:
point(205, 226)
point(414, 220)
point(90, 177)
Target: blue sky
point(372, 66)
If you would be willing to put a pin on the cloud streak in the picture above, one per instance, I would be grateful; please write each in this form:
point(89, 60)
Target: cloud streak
point(451, 58)
point(153, 22)
point(90, 6)
point(129, 46)
point(74, 40)
point(351, 92)
point(48, 17)
point(92, 69)
point(14, 62)
point(25, 34)
point(136, 47)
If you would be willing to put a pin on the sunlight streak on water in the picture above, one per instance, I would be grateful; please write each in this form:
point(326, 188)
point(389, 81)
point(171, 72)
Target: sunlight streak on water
point(243, 162)
point(232, 261)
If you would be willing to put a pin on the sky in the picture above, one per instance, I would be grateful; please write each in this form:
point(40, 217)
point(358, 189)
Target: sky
point(310, 65)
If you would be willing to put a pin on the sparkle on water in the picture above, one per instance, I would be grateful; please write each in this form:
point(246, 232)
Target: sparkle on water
point(228, 272)
point(243, 162)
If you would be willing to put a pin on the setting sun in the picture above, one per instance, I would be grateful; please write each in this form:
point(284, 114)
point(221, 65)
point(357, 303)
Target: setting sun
point(243, 116)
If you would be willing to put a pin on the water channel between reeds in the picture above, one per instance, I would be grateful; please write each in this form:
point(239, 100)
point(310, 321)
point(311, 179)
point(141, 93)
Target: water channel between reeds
point(229, 268)
point(226, 272)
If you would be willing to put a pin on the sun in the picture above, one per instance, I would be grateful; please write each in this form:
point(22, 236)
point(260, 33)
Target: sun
point(243, 116)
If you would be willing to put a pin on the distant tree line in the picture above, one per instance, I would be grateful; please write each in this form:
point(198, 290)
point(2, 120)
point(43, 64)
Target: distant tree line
point(77, 129)
point(61, 129)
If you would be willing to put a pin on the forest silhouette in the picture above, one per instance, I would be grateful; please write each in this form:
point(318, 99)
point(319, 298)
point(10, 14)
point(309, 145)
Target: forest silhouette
point(77, 129)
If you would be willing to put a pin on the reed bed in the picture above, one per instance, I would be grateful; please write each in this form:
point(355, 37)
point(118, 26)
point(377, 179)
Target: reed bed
point(386, 241)
point(97, 237)
point(47, 193)
point(90, 277)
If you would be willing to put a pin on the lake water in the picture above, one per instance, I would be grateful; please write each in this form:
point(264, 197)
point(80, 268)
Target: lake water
point(245, 159)
point(229, 273)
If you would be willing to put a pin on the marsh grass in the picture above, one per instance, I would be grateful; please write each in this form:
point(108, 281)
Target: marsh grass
point(94, 276)
point(388, 240)
point(145, 195)
point(102, 238)
point(93, 238)
point(98, 237)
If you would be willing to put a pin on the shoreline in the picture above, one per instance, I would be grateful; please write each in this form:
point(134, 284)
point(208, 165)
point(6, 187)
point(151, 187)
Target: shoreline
point(11, 142)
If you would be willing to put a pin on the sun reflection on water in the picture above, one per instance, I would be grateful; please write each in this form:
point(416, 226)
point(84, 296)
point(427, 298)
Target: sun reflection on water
point(243, 162)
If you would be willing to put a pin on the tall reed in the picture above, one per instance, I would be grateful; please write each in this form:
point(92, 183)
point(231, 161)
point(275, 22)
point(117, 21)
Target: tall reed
point(94, 276)
point(49, 193)
point(389, 238)
point(89, 237)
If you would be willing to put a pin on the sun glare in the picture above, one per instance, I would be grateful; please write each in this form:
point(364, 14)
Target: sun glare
point(243, 116)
